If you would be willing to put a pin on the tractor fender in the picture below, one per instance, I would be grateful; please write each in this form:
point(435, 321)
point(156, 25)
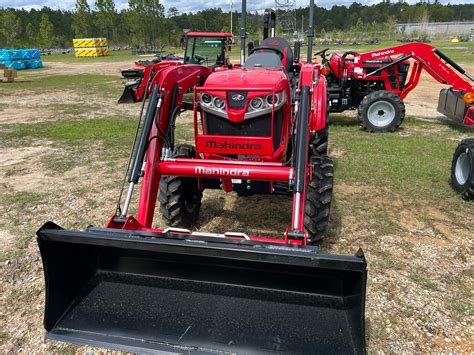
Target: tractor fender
point(318, 114)
point(311, 76)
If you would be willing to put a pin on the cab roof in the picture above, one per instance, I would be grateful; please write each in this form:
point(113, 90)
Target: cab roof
point(208, 34)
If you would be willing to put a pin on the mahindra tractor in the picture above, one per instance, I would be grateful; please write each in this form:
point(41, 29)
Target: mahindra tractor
point(136, 286)
point(377, 82)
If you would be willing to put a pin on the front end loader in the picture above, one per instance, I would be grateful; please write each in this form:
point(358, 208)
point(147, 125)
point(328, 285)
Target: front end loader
point(260, 128)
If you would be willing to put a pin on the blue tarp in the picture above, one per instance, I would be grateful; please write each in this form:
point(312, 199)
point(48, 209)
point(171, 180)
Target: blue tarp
point(19, 59)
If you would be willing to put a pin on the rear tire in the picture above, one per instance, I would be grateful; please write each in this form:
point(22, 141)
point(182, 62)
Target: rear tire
point(462, 169)
point(381, 111)
point(318, 198)
point(179, 196)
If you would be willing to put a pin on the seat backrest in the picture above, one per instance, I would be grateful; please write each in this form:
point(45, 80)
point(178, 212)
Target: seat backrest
point(264, 60)
point(283, 45)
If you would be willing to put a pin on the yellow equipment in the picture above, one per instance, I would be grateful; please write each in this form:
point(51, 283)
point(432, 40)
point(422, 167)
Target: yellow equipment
point(90, 47)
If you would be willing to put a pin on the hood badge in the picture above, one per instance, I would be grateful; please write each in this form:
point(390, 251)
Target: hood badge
point(238, 97)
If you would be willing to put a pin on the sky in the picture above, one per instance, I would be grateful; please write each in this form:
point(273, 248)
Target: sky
point(195, 5)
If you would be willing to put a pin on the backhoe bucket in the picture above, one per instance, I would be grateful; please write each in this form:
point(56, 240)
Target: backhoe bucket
point(148, 292)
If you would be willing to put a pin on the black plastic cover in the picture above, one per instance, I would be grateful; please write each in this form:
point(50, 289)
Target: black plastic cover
point(451, 104)
point(148, 292)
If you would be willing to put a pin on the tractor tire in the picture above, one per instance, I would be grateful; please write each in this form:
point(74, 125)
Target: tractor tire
point(179, 196)
point(462, 169)
point(319, 145)
point(381, 111)
point(318, 198)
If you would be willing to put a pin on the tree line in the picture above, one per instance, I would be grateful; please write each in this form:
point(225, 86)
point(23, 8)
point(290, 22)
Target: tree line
point(146, 23)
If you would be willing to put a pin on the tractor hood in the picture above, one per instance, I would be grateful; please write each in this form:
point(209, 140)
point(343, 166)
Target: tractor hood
point(245, 78)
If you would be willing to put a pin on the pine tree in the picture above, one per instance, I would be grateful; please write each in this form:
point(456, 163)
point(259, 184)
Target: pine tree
point(81, 20)
point(31, 35)
point(106, 18)
point(10, 27)
point(46, 32)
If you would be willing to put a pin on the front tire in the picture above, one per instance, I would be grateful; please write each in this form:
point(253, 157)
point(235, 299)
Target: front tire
point(318, 198)
point(462, 169)
point(179, 196)
point(381, 111)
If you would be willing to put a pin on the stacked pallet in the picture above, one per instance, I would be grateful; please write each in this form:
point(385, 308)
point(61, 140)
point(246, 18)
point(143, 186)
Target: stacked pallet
point(20, 59)
point(7, 74)
point(90, 47)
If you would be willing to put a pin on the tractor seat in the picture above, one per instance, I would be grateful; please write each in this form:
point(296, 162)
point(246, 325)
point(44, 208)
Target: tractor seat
point(284, 47)
point(263, 60)
point(266, 58)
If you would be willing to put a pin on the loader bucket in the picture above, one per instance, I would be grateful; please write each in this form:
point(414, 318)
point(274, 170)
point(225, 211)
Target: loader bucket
point(149, 292)
point(127, 95)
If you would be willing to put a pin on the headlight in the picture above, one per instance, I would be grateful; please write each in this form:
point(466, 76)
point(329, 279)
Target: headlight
point(206, 98)
point(213, 104)
point(270, 98)
point(263, 104)
point(219, 103)
point(256, 103)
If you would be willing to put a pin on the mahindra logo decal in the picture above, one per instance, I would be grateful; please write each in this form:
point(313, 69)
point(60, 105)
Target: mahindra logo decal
point(238, 97)
point(232, 145)
point(385, 52)
point(201, 170)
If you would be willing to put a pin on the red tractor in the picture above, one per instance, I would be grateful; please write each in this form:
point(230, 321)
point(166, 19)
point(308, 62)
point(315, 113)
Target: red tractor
point(137, 287)
point(375, 83)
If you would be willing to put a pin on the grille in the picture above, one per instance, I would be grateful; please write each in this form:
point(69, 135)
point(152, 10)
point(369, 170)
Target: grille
point(252, 127)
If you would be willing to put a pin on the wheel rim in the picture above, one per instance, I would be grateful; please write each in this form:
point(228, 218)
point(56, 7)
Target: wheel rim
point(381, 113)
point(462, 168)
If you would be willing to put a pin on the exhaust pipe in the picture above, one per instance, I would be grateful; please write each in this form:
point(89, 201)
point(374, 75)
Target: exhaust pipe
point(309, 58)
point(243, 32)
point(148, 291)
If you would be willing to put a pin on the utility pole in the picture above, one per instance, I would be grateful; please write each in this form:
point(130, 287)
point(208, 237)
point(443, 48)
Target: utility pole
point(286, 14)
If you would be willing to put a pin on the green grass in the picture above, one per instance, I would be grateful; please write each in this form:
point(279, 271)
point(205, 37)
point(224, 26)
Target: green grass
point(113, 132)
point(421, 279)
point(82, 82)
point(417, 164)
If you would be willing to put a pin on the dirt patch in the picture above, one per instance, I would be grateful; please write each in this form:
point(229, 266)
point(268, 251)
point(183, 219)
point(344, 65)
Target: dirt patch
point(103, 68)
point(14, 157)
point(51, 105)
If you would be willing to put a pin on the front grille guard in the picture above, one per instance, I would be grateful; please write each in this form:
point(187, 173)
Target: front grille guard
point(199, 89)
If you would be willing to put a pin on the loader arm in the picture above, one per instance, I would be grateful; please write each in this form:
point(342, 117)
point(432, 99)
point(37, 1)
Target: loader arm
point(134, 92)
point(425, 57)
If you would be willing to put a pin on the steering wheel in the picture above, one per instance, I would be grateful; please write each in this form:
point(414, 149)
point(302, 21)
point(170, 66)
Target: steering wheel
point(200, 58)
point(322, 53)
point(267, 48)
